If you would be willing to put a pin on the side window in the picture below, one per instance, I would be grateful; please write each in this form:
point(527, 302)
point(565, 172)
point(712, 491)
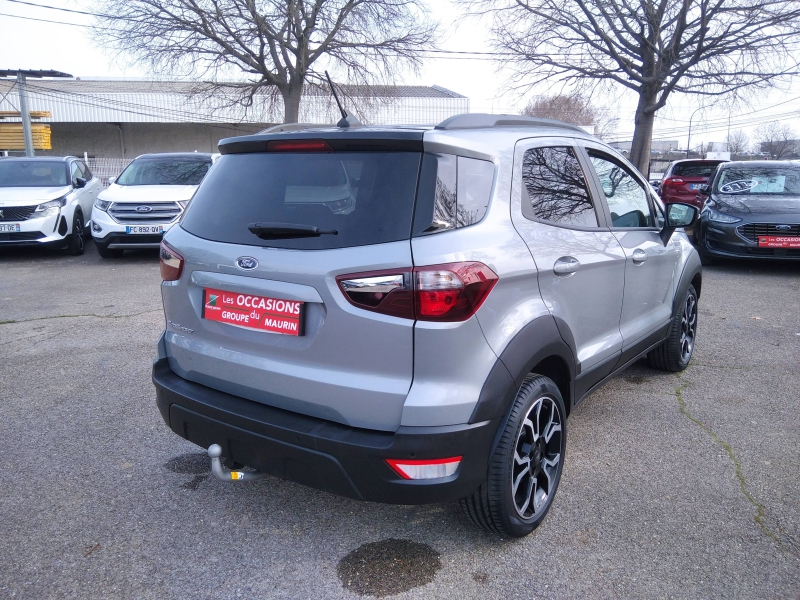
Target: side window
point(74, 172)
point(87, 174)
point(627, 199)
point(456, 191)
point(554, 188)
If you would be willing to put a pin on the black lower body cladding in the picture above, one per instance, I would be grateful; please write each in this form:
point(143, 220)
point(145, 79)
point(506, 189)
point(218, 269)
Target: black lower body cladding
point(328, 456)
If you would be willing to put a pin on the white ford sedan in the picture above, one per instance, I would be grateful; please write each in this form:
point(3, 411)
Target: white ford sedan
point(46, 201)
point(146, 200)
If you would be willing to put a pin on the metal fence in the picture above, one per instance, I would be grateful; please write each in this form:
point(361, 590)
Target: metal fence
point(107, 167)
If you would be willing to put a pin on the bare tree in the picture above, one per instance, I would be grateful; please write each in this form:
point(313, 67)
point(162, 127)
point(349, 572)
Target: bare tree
point(737, 142)
point(575, 108)
point(776, 138)
point(653, 47)
point(281, 45)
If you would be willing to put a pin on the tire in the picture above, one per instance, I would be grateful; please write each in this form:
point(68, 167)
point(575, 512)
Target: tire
point(512, 502)
point(75, 243)
point(106, 252)
point(676, 351)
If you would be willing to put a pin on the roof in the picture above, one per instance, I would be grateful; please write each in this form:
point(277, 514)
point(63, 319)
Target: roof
point(32, 73)
point(38, 158)
point(195, 155)
point(146, 101)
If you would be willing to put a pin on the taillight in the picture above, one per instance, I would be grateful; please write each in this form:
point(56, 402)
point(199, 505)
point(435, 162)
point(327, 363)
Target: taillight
point(449, 292)
point(298, 146)
point(670, 181)
point(425, 469)
point(171, 263)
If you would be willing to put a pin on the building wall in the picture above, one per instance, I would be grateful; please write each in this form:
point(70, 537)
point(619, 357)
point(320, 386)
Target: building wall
point(129, 140)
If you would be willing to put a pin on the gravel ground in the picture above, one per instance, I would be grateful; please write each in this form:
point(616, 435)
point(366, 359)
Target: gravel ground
point(674, 486)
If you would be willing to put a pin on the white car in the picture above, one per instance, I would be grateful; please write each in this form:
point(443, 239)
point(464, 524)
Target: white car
point(46, 201)
point(146, 200)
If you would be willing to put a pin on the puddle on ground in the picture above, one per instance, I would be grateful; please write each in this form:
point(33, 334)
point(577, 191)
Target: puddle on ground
point(190, 464)
point(388, 567)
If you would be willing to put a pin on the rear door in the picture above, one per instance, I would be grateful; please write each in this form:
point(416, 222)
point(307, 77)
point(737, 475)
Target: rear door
point(650, 265)
point(581, 264)
point(342, 363)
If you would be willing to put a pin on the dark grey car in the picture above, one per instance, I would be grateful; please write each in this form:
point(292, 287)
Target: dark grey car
point(409, 314)
point(752, 211)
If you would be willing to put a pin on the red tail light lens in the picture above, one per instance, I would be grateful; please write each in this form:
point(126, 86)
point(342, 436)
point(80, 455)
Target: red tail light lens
point(672, 181)
point(449, 292)
point(171, 263)
point(298, 146)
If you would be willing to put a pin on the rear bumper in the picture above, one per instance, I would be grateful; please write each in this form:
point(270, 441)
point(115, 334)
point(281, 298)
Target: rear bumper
point(328, 456)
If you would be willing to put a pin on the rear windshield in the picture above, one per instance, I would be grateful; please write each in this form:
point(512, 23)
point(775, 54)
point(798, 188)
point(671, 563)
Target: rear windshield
point(32, 173)
point(164, 171)
point(366, 197)
point(690, 169)
point(781, 181)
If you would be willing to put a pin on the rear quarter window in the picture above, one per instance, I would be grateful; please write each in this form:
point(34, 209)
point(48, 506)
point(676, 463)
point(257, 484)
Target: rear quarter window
point(366, 197)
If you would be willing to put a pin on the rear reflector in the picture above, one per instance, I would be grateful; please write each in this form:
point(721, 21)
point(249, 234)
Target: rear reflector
point(450, 292)
point(425, 469)
point(298, 146)
point(170, 262)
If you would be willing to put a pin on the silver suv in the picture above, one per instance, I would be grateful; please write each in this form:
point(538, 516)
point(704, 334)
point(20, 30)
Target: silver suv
point(409, 315)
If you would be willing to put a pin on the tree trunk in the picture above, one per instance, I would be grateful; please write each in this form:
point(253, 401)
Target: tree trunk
point(643, 133)
point(291, 102)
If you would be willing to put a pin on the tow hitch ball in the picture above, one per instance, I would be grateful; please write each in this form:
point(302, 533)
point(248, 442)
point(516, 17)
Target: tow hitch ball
point(215, 451)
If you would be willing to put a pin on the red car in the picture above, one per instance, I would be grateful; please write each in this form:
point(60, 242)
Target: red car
point(683, 180)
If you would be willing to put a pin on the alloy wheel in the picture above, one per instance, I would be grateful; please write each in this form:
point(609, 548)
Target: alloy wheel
point(537, 454)
point(688, 327)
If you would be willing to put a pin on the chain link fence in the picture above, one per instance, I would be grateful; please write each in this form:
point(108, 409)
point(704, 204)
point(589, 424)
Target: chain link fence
point(107, 167)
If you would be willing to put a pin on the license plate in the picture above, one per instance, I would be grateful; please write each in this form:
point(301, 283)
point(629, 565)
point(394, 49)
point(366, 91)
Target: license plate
point(253, 312)
point(10, 227)
point(778, 241)
point(144, 229)
point(695, 186)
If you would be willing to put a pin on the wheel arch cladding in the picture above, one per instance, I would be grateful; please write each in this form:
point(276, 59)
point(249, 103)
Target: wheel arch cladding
point(692, 275)
point(539, 348)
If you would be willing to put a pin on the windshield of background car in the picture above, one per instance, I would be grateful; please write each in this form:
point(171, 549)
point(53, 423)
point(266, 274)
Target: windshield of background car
point(366, 197)
point(164, 171)
point(32, 173)
point(771, 181)
point(694, 169)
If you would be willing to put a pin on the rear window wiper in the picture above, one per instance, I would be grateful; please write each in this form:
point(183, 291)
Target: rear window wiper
point(282, 231)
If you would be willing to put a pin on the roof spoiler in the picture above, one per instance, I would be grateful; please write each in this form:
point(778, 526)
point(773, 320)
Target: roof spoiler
point(486, 121)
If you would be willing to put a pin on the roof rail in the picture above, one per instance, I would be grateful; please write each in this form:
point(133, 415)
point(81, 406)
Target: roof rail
point(294, 127)
point(485, 121)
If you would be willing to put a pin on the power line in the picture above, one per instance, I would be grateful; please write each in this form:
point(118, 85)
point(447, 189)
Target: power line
point(69, 10)
point(42, 20)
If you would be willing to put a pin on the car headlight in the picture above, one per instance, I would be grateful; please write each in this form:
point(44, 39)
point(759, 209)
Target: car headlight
point(50, 207)
point(102, 204)
point(719, 217)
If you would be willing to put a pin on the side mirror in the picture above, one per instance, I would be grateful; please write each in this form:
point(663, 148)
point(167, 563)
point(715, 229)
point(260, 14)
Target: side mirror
point(80, 182)
point(111, 180)
point(678, 215)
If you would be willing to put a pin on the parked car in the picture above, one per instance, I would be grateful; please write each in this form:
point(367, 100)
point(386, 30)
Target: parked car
point(46, 201)
point(408, 315)
point(147, 199)
point(683, 178)
point(752, 211)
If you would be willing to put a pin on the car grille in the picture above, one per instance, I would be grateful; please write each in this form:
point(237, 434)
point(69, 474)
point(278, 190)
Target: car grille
point(751, 231)
point(16, 213)
point(160, 212)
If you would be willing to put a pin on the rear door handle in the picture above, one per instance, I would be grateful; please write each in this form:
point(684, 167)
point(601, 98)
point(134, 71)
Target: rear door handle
point(566, 265)
point(639, 256)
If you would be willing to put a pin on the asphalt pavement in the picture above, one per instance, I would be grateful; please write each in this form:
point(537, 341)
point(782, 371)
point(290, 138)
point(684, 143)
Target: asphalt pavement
point(674, 486)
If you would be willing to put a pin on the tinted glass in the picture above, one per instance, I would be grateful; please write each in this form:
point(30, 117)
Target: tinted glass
point(164, 171)
point(32, 173)
point(626, 198)
point(75, 172)
point(367, 197)
point(554, 188)
point(694, 169)
point(778, 181)
point(475, 178)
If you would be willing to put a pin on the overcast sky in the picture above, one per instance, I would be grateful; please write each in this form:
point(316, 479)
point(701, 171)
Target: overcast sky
point(30, 44)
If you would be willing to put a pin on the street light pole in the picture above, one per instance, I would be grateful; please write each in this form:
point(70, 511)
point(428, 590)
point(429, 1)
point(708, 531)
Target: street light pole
point(689, 139)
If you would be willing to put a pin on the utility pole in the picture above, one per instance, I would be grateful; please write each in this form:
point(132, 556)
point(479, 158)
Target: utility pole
point(689, 140)
point(22, 89)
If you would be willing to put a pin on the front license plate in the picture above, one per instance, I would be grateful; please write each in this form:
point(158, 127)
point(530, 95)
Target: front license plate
point(253, 312)
point(144, 229)
point(9, 227)
point(778, 241)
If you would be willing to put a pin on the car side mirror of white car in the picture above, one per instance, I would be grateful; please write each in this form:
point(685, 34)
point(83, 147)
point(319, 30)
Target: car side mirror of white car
point(678, 215)
point(111, 180)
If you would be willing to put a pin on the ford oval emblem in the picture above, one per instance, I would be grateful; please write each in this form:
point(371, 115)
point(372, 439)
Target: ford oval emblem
point(247, 263)
point(144, 209)
point(783, 227)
